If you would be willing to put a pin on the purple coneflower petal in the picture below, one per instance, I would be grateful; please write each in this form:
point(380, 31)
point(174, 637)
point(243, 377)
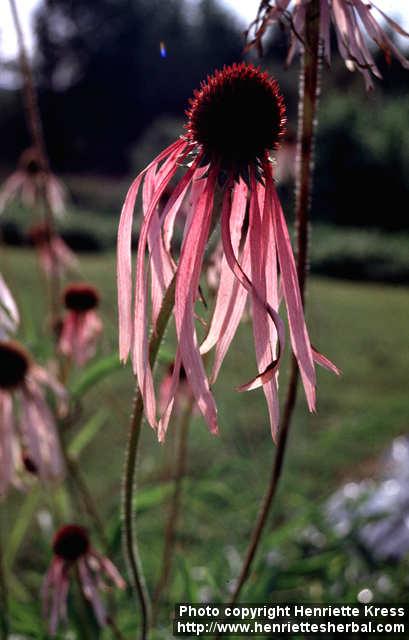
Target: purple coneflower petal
point(140, 350)
point(187, 282)
point(38, 429)
point(256, 294)
point(124, 257)
point(90, 591)
point(298, 330)
point(227, 281)
point(6, 442)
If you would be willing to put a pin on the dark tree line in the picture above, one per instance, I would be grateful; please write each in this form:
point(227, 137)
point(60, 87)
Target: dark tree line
point(102, 78)
point(103, 82)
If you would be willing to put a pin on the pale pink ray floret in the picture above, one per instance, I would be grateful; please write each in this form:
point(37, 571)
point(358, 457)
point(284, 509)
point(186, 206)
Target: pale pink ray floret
point(31, 184)
point(74, 558)
point(9, 315)
point(55, 257)
point(235, 120)
point(81, 325)
point(28, 431)
point(354, 21)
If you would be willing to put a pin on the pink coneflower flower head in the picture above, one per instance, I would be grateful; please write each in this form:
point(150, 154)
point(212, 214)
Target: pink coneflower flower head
point(81, 325)
point(22, 382)
point(354, 22)
point(9, 316)
point(236, 119)
point(55, 257)
point(75, 557)
point(31, 184)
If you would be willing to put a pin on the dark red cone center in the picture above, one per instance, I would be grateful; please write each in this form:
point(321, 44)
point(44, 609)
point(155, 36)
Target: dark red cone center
point(81, 297)
point(14, 364)
point(237, 115)
point(71, 542)
point(39, 234)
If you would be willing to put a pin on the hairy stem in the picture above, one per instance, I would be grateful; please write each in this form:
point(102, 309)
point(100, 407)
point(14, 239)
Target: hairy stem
point(86, 498)
point(174, 510)
point(4, 623)
point(35, 128)
point(308, 102)
point(130, 544)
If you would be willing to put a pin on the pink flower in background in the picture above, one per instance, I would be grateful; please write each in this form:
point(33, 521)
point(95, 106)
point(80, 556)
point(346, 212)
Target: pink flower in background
point(29, 183)
point(9, 316)
point(74, 556)
point(354, 22)
point(34, 433)
point(235, 120)
point(55, 257)
point(81, 326)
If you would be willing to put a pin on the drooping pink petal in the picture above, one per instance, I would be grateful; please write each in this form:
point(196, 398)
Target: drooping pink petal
point(228, 282)
point(172, 207)
point(263, 342)
point(392, 23)
point(6, 442)
point(298, 330)
point(124, 264)
point(9, 316)
point(249, 286)
point(187, 282)
point(159, 263)
point(325, 362)
point(234, 313)
point(297, 36)
point(168, 399)
point(140, 350)
point(39, 433)
point(90, 591)
point(56, 194)
point(10, 188)
point(79, 336)
point(377, 34)
point(109, 569)
point(54, 588)
point(325, 26)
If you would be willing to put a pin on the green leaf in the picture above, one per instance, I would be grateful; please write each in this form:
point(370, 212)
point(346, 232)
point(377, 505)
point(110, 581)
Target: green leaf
point(94, 374)
point(86, 434)
point(23, 522)
point(152, 496)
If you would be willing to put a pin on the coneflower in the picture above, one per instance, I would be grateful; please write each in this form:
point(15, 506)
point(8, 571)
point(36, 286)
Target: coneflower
point(54, 255)
point(31, 184)
point(81, 325)
point(22, 381)
point(74, 556)
point(354, 22)
point(235, 121)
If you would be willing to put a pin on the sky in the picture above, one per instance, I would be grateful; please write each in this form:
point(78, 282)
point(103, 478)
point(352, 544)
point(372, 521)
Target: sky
point(244, 9)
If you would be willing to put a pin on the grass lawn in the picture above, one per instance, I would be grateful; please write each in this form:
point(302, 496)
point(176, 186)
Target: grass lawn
point(362, 327)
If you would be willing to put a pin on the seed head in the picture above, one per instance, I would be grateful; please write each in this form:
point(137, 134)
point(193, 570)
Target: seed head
point(71, 542)
point(237, 116)
point(80, 297)
point(14, 364)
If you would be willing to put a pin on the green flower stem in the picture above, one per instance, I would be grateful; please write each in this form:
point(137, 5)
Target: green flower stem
point(35, 128)
point(174, 510)
point(130, 544)
point(4, 618)
point(308, 103)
